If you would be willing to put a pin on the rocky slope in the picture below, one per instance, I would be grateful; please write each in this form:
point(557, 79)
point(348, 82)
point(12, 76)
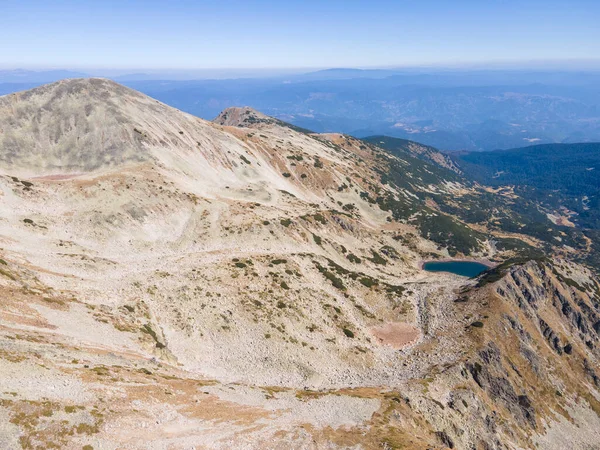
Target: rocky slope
point(247, 284)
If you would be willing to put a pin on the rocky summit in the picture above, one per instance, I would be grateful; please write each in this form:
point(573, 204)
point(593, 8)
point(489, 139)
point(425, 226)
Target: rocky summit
point(172, 283)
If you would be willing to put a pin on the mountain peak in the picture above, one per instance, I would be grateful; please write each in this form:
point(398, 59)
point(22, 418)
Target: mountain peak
point(247, 117)
point(93, 88)
point(81, 125)
point(236, 116)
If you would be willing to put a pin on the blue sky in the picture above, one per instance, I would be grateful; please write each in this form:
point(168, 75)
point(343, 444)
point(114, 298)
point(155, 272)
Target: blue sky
point(293, 34)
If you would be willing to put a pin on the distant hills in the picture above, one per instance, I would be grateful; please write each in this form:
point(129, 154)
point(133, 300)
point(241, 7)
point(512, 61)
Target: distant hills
point(573, 168)
point(32, 76)
point(450, 111)
point(559, 175)
point(470, 110)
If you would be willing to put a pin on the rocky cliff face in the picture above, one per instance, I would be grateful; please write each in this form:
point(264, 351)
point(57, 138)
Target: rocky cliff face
point(535, 357)
point(247, 283)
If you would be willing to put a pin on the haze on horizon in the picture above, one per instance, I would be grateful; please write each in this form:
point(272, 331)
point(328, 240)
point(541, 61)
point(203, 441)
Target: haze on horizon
point(266, 34)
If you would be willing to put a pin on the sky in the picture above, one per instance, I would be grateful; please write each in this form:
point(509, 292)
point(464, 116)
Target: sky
point(266, 34)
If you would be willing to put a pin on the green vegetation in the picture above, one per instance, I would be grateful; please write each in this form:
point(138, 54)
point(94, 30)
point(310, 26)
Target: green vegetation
point(337, 282)
point(320, 218)
point(368, 281)
point(523, 213)
point(279, 261)
point(317, 239)
point(377, 258)
point(545, 177)
point(353, 258)
point(348, 332)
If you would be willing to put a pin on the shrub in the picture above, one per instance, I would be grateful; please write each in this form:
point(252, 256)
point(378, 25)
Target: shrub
point(317, 239)
point(348, 333)
point(353, 258)
point(477, 324)
point(377, 258)
point(319, 218)
point(279, 261)
point(368, 281)
point(286, 174)
point(337, 282)
point(285, 222)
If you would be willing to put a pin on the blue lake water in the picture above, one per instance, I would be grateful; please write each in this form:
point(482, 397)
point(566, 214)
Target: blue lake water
point(462, 268)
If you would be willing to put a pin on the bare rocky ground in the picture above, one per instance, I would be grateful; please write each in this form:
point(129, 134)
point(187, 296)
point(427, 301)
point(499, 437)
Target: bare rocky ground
point(168, 283)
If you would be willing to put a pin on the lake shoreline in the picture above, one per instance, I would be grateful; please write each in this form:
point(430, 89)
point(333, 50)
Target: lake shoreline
point(484, 261)
point(469, 268)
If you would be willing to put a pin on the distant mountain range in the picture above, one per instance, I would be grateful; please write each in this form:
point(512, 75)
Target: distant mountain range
point(451, 110)
point(32, 76)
